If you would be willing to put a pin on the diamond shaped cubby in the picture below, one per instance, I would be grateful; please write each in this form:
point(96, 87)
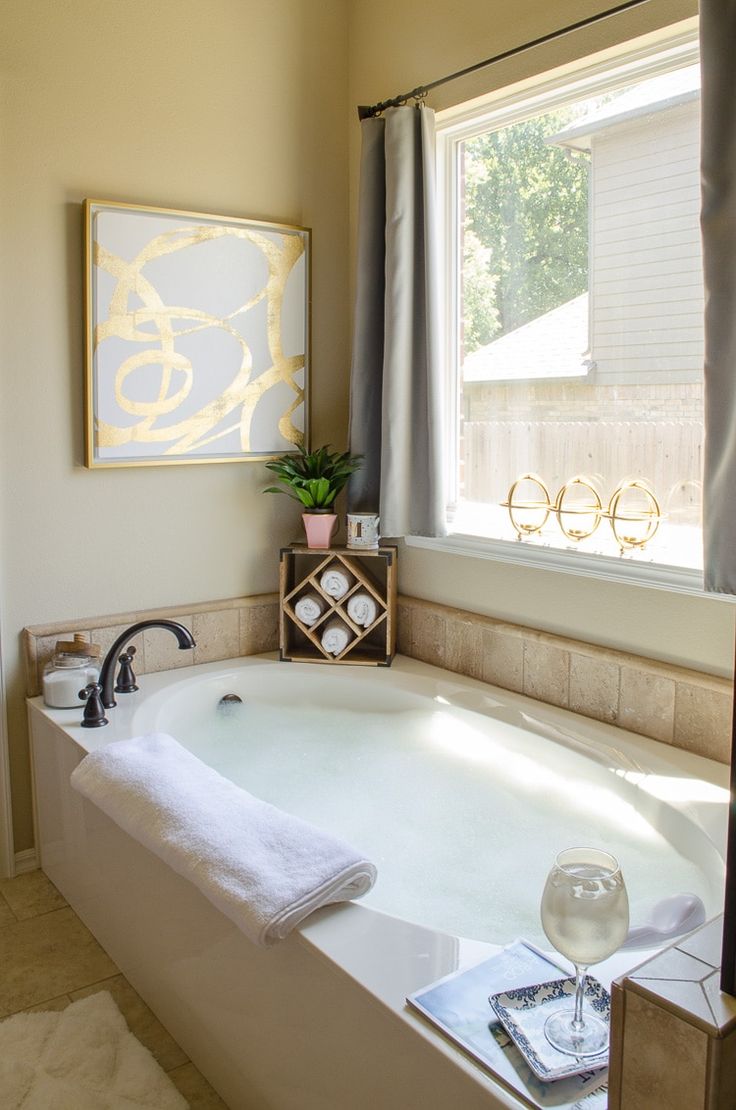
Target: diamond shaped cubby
point(338, 605)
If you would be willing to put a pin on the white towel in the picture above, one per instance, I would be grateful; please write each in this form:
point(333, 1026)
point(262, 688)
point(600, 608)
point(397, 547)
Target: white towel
point(309, 608)
point(335, 583)
point(263, 868)
point(362, 609)
point(336, 636)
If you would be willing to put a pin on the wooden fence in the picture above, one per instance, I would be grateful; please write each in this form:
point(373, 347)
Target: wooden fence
point(668, 454)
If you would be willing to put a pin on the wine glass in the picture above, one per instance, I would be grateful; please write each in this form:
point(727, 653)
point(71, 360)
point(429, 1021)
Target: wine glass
point(585, 914)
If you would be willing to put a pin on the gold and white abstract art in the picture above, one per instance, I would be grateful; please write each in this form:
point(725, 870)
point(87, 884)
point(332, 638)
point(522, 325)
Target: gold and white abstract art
point(197, 336)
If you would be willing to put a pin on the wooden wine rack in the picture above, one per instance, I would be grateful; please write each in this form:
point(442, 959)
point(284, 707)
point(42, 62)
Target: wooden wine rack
point(372, 572)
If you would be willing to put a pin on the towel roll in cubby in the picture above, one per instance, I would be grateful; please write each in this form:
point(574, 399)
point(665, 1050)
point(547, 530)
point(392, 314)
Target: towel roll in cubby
point(336, 636)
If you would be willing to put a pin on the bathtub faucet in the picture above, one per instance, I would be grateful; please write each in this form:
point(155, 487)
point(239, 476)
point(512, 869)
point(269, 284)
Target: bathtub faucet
point(107, 671)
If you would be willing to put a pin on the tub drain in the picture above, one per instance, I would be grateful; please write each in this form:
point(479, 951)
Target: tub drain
point(228, 702)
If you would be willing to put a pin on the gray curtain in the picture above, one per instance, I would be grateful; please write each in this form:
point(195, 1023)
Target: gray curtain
point(396, 387)
point(718, 222)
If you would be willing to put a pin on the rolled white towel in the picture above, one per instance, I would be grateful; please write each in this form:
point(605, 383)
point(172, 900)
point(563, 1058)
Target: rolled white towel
point(336, 636)
point(335, 582)
point(362, 609)
point(309, 608)
point(263, 868)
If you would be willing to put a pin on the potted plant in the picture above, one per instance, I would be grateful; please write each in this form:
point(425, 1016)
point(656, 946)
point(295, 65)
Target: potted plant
point(314, 478)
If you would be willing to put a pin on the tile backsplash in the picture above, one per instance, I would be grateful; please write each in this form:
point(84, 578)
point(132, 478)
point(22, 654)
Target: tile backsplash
point(221, 629)
point(688, 709)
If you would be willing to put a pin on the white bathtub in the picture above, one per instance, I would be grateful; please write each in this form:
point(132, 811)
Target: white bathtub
point(462, 794)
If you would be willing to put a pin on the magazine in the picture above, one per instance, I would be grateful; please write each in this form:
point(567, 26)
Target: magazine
point(458, 1005)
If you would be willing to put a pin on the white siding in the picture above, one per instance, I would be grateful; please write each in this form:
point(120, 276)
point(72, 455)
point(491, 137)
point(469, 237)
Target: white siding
point(646, 273)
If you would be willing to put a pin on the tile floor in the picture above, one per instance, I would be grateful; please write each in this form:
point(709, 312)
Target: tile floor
point(49, 959)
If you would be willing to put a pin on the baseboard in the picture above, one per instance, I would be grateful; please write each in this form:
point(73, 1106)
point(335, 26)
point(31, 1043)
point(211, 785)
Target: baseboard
point(26, 861)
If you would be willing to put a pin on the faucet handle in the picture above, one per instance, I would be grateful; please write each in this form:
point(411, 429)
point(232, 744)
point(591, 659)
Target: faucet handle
point(94, 710)
point(126, 683)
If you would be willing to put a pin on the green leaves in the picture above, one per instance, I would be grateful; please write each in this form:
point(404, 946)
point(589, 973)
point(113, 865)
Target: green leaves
point(526, 226)
point(314, 478)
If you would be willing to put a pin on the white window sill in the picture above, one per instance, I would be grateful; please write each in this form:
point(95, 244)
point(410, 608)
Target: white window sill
point(682, 580)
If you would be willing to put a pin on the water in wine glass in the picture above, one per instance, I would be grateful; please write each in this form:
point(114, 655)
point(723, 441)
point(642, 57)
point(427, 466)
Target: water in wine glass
point(585, 915)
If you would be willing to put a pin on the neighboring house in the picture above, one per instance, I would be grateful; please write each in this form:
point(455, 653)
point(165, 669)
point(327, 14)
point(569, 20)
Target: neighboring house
point(561, 334)
point(645, 265)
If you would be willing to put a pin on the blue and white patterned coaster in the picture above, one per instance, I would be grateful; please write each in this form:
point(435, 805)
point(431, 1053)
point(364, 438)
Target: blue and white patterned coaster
point(524, 1011)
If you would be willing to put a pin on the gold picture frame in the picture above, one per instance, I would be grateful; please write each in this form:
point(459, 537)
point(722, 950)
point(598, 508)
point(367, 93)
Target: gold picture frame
point(197, 336)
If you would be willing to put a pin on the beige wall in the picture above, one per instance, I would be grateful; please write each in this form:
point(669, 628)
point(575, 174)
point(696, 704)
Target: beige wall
point(234, 106)
point(240, 107)
point(396, 46)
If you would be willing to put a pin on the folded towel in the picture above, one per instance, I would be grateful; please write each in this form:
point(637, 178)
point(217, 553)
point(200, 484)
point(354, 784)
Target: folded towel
point(309, 608)
point(336, 636)
point(335, 583)
point(362, 609)
point(263, 868)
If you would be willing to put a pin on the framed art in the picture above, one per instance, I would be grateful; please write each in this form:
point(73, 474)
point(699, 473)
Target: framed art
point(197, 336)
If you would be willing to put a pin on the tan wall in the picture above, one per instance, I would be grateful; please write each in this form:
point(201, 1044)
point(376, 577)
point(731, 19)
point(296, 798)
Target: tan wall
point(238, 107)
point(396, 45)
point(235, 106)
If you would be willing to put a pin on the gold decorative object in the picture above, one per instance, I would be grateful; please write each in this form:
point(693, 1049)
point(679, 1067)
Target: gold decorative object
point(537, 508)
point(640, 524)
point(633, 526)
point(583, 518)
point(197, 336)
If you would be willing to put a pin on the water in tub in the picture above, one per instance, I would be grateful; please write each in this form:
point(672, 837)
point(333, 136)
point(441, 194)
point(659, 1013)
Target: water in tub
point(462, 812)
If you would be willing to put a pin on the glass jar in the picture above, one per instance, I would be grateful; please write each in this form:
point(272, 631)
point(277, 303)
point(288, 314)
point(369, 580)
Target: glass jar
point(64, 676)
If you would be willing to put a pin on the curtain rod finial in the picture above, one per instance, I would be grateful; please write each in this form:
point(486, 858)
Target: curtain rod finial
point(365, 111)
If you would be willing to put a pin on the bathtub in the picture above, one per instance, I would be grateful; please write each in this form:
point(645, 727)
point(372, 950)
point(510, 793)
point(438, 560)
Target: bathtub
point(462, 794)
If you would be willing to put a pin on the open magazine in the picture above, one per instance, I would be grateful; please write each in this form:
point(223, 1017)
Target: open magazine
point(458, 1005)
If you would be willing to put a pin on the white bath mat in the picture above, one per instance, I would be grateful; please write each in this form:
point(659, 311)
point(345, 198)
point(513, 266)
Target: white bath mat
point(81, 1058)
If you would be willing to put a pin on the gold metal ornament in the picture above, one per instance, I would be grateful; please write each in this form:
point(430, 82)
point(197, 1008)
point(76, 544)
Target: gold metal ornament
point(633, 526)
point(640, 524)
point(537, 509)
point(578, 521)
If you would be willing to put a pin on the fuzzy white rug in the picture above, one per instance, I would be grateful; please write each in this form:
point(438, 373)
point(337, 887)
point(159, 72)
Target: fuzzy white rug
point(81, 1058)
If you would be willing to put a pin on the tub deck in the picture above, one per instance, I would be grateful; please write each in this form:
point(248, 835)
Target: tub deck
point(319, 1022)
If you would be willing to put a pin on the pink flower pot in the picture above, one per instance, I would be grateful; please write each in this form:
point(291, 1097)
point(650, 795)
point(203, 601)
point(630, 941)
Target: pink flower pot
point(319, 528)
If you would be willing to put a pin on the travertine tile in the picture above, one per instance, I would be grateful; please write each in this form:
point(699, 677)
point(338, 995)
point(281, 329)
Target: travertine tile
point(703, 720)
point(107, 636)
point(30, 667)
point(546, 672)
point(31, 894)
point(664, 1059)
point(45, 648)
point(217, 635)
point(162, 651)
point(594, 687)
point(503, 659)
point(722, 1006)
point(7, 917)
point(196, 1090)
point(428, 631)
point(259, 628)
point(464, 645)
point(51, 1004)
point(705, 943)
point(47, 956)
point(647, 703)
point(142, 1022)
point(404, 612)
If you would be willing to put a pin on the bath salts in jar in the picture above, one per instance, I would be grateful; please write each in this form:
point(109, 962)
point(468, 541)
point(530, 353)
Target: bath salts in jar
point(73, 664)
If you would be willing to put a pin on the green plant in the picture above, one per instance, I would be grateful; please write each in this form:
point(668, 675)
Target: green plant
point(314, 477)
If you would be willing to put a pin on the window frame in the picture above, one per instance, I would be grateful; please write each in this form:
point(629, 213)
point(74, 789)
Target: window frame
point(613, 69)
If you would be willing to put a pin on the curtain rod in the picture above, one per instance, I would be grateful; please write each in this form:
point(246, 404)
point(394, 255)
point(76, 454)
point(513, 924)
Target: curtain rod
point(366, 111)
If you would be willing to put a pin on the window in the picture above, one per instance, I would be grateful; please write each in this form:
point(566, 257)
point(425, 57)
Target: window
point(575, 311)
